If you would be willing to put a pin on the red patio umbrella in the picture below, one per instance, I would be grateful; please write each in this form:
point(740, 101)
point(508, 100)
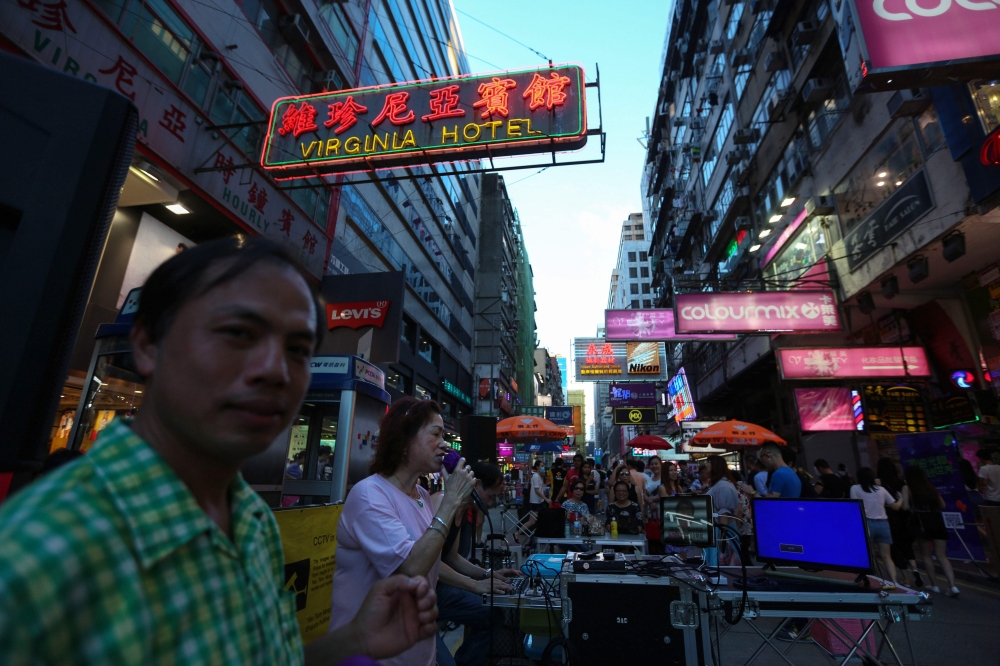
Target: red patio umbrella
point(649, 442)
point(735, 434)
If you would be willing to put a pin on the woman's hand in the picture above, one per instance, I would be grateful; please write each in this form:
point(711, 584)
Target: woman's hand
point(505, 574)
point(459, 484)
point(498, 586)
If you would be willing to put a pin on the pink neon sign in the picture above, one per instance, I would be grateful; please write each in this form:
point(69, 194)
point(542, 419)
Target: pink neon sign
point(648, 325)
point(824, 409)
point(785, 235)
point(835, 363)
point(757, 312)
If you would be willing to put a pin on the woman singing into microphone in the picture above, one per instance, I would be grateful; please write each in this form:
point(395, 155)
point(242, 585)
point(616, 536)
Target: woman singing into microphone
point(388, 524)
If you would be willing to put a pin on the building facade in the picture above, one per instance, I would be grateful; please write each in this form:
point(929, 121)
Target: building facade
point(765, 171)
point(204, 79)
point(549, 380)
point(577, 398)
point(630, 279)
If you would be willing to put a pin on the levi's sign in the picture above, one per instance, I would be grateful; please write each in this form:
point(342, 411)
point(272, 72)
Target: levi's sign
point(757, 312)
point(407, 124)
point(356, 315)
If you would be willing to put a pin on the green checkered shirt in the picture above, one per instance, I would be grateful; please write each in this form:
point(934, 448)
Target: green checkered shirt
point(110, 560)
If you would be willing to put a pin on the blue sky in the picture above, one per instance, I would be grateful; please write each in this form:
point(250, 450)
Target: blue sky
point(572, 215)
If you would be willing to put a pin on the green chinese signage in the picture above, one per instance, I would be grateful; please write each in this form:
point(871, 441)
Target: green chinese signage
point(470, 117)
point(455, 391)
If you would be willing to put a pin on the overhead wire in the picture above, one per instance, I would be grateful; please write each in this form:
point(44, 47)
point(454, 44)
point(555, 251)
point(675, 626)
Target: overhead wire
point(501, 32)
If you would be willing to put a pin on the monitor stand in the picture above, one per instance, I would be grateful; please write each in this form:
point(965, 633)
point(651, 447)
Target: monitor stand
point(770, 571)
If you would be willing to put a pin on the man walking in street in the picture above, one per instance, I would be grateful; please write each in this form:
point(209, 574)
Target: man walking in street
point(784, 482)
point(829, 486)
point(152, 549)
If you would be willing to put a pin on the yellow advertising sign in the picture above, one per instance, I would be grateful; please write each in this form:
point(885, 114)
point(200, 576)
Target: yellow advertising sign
point(309, 539)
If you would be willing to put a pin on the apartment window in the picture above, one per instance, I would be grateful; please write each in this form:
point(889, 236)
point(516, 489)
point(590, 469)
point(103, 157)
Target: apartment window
point(397, 381)
point(420, 393)
point(644, 271)
point(428, 350)
point(631, 257)
point(635, 304)
point(647, 304)
point(158, 32)
point(733, 22)
point(633, 288)
point(335, 17)
point(823, 118)
point(265, 14)
point(643, 256)
point(645, 287)
point(627, 237)
point(931, 135)
point(408, 333)
point(633, 272)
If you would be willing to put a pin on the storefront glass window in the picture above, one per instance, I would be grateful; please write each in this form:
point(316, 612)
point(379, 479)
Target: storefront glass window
point(986, 95)
point(806, 248)
point(116, 391)
point(888, 165)
point(931, 135)
point(420, 393)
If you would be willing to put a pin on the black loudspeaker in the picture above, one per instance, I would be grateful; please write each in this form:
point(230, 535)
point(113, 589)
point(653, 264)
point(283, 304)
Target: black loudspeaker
point(479, 438)
point(64, 153)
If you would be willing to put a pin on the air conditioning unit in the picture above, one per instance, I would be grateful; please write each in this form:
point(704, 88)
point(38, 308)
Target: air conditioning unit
point(909, 102)
point(741, 173)
point(820, 205)
point(741, 57)
point(778, 102)
point(743, 222)
point(734, 157)
point(776, 61)
point(294, 27)
point(745, 136)
point(330, 79)
point(708, 216)
point(817, 90)
point(663, 145)
point(804, 33)
point(680, 121)
point(701, 46)
point(716, 47)
point(697, 124)
point(699, 59)
point(758, 6)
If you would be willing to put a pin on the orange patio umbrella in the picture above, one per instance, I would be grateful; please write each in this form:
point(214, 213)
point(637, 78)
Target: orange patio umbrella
point(529, 429)
point(735, 434)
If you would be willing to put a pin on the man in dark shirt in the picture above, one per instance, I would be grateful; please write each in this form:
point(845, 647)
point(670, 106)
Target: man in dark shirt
point(829, 485)
point(558, 477)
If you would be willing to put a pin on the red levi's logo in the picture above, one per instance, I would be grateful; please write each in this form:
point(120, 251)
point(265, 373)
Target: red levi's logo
point(356, 315)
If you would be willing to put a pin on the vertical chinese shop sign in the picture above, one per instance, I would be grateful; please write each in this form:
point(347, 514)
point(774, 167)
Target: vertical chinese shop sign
point(407, 124)
point(937, 454)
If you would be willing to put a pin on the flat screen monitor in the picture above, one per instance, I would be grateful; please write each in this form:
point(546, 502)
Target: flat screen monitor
point(812, 533)
point(686, 520)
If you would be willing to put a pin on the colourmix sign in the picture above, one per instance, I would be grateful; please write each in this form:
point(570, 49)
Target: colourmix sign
point(757, 312)
point(414, 123)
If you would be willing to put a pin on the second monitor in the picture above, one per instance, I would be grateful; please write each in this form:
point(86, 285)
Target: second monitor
point(686, 520)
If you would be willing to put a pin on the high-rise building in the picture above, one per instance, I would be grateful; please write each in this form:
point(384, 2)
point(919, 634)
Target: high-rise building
point(577, 398)
point(769, 168)
point(548, 379)
point(630, 279)
point(563, 375)
point(204, 79)
point(504, 305)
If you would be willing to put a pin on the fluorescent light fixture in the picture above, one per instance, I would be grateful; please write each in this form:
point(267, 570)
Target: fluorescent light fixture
point(882, 174)
point(787, 202)
point(764, 233)
point(755, 247)
point(800, 246)
point(776, 218)
point(880, 183)
point(138, 391)
point(149, 175)
point(898, 183)
point(177, 209)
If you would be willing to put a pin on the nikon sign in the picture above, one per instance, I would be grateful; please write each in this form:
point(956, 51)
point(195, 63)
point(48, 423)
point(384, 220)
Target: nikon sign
point(643, 358)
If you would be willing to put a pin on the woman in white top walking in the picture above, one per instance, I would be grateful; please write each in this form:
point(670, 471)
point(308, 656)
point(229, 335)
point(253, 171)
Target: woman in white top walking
point(875, 499)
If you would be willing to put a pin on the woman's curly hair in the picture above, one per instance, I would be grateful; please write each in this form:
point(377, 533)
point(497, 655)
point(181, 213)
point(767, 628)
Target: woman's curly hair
point(396, 430)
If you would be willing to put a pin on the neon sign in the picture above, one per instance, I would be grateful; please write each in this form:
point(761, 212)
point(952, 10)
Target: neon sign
point(511, 113)
point(680, 397)
point(989, 154)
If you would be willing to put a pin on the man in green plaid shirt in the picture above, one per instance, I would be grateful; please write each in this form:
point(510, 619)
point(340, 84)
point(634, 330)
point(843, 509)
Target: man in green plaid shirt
point(152, 549)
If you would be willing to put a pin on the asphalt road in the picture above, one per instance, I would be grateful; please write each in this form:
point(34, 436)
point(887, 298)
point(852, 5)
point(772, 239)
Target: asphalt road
point(963, 632)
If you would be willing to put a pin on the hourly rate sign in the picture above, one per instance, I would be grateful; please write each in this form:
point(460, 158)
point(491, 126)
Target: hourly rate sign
point(478, 116)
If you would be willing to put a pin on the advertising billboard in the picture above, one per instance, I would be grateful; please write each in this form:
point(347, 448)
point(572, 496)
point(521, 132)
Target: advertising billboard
point(894, 408)
point(413, 123)
point(560, 415)
point(840, 362)
point(757, 312)
point(632, 395)
point(373, 316)
point(825, 409)
point(597, 359)
point(896, 44)
point(635, 416)
point(679, 393)
point(656, 324)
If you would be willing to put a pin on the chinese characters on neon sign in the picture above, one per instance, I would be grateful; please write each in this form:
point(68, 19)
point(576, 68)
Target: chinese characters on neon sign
point(600, 360)
point(512, 113)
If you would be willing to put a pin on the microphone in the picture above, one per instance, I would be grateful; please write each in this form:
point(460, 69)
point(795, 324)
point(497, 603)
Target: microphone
point(450, 462)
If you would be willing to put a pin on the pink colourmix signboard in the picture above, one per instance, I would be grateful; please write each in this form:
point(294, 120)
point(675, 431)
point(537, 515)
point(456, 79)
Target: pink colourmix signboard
point(836, 363)
point(648, 325)
point(824, 409)
point(757, 312)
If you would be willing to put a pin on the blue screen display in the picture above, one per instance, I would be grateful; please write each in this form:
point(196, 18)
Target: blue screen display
point(824, 533)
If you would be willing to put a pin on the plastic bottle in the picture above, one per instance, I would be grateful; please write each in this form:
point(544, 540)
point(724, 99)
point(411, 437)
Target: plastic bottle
point(576, 525)
point(614, 528)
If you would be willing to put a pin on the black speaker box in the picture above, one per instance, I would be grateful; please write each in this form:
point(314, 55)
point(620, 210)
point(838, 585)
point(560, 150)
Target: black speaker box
point(65, 150)
point(479, 438)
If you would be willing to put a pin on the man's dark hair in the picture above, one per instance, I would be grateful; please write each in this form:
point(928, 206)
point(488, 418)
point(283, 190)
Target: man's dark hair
point(821, 464)
point(487, 473)
point(536, 464)
point(558, 462)
point(185, 276)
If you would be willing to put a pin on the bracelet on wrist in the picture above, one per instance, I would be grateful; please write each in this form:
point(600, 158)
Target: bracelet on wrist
point(438, 530)
point(443, 524)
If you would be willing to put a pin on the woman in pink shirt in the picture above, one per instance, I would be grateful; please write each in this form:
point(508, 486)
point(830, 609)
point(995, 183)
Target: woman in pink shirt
point(388, 524)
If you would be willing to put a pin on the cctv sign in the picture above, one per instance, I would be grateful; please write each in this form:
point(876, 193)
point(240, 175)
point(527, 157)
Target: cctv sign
point(356, 315)
point(757, 312)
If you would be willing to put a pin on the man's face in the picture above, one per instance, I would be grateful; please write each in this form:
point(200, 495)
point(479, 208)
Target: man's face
point(489, 495)
point(621, 493)
point(231, 371)
point(768, 460)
